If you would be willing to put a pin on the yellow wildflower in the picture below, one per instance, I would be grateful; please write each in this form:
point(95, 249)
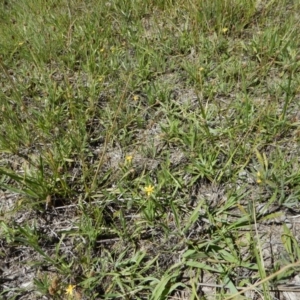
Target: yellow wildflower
point(69, 289)
point(135, 97)
point(258, 179)
point(128, 158)
point(149, 189)
point(224, 30)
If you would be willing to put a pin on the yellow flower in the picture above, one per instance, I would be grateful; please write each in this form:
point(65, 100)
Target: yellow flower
point(149, 189)
point(69, 289)
point(128, 158)
point(258, 179)
point(135, 97)
point(224, 30)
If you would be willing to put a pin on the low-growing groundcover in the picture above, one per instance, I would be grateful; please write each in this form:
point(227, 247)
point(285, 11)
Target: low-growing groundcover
point(149, 149)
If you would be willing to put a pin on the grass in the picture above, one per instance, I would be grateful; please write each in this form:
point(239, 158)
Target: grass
point(149, 149)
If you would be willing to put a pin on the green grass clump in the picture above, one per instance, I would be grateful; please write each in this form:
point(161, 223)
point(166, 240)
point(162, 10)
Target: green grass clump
point(149, 149)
